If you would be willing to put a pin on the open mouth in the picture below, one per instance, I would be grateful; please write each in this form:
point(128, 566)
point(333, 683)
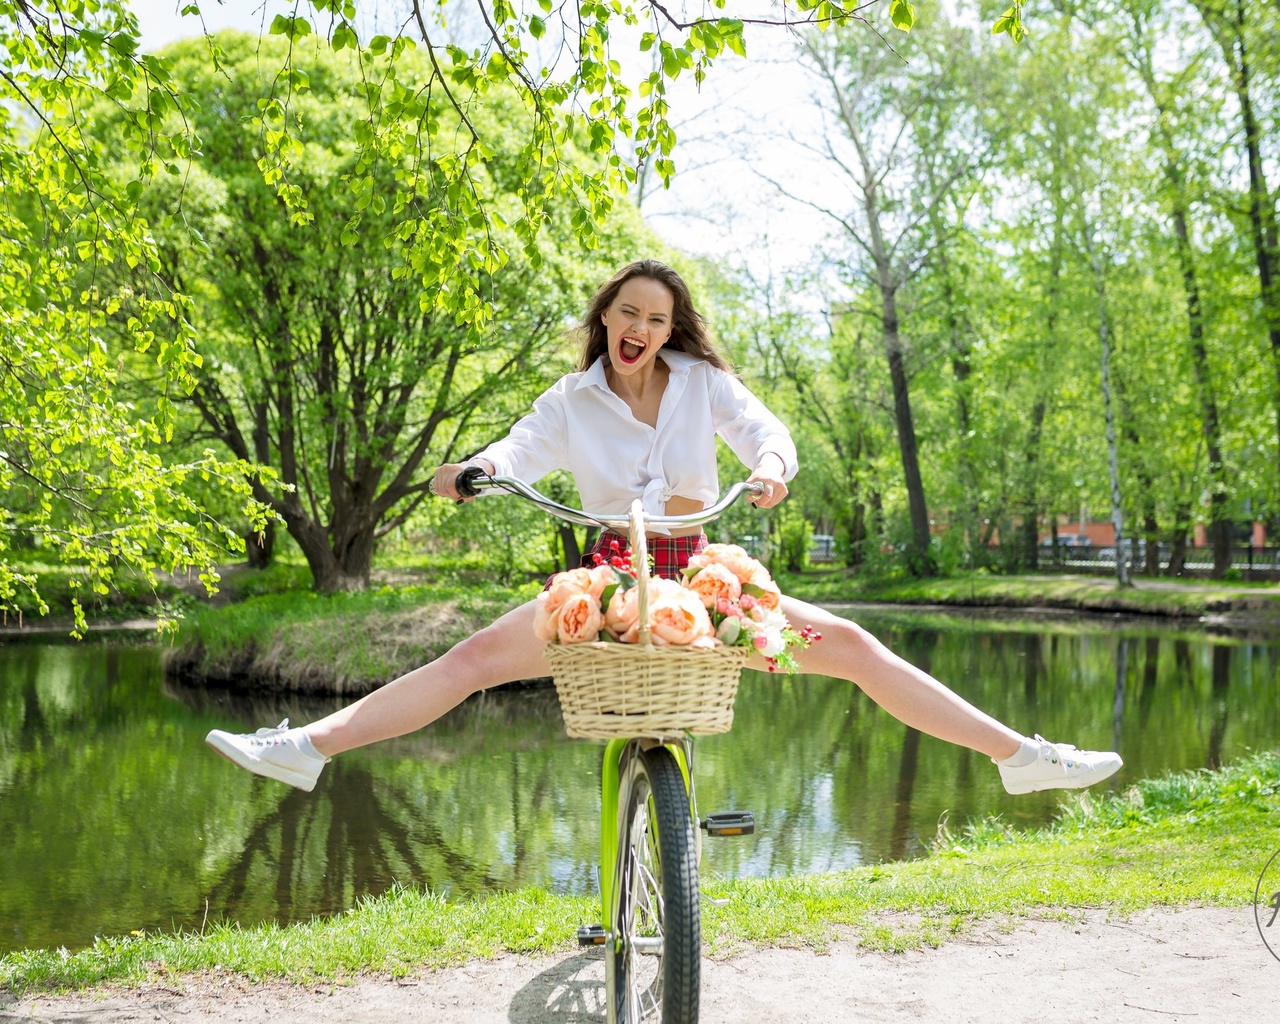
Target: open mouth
point(631, 350)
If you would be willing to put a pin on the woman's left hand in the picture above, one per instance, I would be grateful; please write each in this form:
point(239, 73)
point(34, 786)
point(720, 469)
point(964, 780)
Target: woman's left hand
point(768, 473)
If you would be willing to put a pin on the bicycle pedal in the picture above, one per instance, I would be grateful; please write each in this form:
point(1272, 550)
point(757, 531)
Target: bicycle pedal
point(592, 935)
point(730, 823)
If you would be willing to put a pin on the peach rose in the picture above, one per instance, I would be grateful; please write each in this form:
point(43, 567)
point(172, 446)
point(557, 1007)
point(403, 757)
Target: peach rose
point(621, 618)
point(546, 618)
point(602, 577)
point(678, 616)
point(580, 620)
point(771, 599)
point(565, 584)
point(732, 557)
point(713, 583)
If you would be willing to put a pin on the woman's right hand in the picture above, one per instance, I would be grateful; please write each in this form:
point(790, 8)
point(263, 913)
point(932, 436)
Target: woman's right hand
point(445, 482)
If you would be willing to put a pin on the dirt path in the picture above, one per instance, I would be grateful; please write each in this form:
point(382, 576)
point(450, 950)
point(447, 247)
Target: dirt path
point(1195, 965)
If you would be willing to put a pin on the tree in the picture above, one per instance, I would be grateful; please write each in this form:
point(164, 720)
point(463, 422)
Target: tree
point(81, 469)
point(901, 164)
point(1233, 24)
point(322, 363)
point(1177, 195)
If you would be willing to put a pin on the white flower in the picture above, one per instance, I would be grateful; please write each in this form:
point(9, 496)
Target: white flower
point(773, 643)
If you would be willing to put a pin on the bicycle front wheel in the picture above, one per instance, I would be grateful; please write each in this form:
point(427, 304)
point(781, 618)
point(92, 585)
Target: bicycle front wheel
point(658, 923)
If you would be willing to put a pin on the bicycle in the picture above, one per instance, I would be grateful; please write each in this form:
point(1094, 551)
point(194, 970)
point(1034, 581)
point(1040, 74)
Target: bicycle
point(650, 833)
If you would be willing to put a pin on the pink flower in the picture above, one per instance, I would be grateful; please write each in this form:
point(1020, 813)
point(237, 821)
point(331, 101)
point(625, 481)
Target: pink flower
point(565, 584)
point(621, 618)
point(602, 577)
point(715, 583)
point(771, 599)
point(546, 618)
point(732, 557)
point(580, 620)
point(676, 615)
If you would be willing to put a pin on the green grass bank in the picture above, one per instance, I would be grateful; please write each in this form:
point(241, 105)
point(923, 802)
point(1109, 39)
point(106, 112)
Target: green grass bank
point(1180, 598)
point(1190, 838)
point(345, 643)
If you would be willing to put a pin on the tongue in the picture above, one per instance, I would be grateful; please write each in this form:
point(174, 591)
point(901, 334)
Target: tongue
point(631, 352)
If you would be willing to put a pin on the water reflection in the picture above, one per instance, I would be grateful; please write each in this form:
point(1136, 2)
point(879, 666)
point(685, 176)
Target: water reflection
point(113, 815)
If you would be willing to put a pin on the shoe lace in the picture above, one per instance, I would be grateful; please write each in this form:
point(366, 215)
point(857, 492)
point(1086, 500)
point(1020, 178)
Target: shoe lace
point(265, 734)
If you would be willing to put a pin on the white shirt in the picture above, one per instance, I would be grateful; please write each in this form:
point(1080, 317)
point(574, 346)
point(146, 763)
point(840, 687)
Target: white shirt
point(579, 424)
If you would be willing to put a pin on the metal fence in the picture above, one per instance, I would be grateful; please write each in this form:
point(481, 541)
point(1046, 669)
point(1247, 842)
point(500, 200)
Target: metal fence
point(1258, 563)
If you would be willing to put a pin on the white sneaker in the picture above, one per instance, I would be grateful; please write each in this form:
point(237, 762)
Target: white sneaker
point(281, 753)
point(1059, 766)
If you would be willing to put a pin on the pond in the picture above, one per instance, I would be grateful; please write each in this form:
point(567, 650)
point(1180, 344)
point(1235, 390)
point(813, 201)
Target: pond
point(114, 816)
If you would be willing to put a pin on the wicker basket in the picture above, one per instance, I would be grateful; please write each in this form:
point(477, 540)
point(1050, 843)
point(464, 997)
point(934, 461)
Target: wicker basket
point(611, 690)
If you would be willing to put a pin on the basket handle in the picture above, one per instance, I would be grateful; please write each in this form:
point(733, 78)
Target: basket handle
point(640, 566)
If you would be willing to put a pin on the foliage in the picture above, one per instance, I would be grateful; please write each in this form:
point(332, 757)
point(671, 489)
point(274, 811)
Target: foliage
point(81, 468)
point(319, 360)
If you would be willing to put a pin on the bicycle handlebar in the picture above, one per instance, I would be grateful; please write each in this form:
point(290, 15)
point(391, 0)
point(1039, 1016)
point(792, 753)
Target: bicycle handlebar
point(473, 482)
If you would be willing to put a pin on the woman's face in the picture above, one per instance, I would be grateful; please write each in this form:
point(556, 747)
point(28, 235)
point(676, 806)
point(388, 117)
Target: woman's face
point(638, 324)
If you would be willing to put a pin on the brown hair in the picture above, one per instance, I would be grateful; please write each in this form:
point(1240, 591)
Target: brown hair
point(688, 329)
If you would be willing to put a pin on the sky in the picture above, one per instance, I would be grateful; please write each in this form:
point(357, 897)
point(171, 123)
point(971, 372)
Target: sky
point(734, 136)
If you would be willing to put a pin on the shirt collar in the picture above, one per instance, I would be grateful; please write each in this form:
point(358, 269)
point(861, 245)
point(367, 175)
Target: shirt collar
point(679, 363)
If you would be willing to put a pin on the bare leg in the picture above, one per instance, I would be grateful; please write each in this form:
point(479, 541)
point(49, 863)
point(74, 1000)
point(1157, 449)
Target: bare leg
point(847, 651)
point(503, 652)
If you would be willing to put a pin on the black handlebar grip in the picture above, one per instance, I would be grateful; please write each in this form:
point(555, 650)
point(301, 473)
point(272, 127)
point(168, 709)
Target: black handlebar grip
point(466, 481)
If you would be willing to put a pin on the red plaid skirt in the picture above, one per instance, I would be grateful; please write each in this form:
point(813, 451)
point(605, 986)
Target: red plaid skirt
point(669, 554)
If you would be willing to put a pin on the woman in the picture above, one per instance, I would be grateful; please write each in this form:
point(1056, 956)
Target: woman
point(639, 419)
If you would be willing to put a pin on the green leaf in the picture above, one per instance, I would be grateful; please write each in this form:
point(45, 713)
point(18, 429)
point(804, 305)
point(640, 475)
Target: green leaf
point(537, 27)
point(293, 27)
point(903, 14)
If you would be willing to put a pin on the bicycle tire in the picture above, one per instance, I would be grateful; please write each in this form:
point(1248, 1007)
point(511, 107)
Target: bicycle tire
point(658, 899)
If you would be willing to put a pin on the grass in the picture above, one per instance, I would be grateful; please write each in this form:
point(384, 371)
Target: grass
point(1081, 593)
point(1198, 838)
point(338, 643)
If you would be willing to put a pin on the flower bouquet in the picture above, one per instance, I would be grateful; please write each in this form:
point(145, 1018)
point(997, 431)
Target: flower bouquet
point(636, 655)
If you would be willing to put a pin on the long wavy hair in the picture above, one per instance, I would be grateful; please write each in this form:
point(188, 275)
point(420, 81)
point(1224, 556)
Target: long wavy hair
point(688, 329)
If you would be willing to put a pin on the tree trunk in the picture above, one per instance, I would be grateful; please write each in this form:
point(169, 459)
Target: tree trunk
point(1031, 498)
point(961, 369)
point(1262, 219)
point(1151, 532)
point(1228, 26)
point(922, 562)
point(259, 547)
point(1175, 180)
point(1178, 539)
point(1113, 467)
point(1220, 524)
point(1031, 506)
